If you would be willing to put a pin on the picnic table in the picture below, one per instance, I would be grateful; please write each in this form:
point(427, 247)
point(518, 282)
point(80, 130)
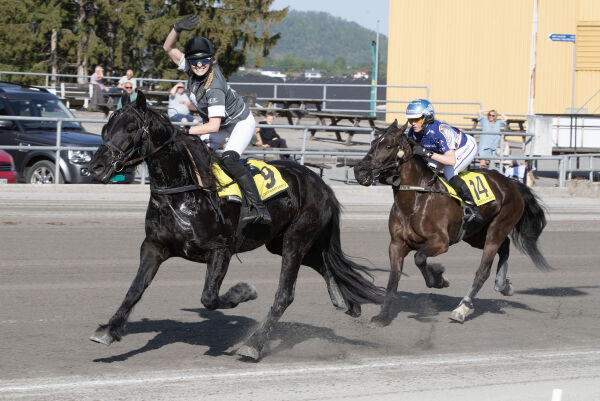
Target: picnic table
point(291, 108)
point(332, 120)
point(509, 121)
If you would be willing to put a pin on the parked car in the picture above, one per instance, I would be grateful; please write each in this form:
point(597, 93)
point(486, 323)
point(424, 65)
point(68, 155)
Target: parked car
point(8, 175)
point(37, 166)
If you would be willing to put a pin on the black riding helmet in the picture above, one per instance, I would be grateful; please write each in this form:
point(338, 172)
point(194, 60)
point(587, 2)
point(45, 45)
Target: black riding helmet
point(199, 47)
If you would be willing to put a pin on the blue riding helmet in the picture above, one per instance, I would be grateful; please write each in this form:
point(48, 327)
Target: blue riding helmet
point(418, 108)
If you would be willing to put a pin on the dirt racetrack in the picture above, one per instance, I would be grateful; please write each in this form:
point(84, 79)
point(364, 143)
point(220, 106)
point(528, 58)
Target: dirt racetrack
point(64, 269)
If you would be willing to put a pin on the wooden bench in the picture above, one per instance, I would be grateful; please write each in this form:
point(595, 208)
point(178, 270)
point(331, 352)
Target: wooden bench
point(332, 120)
point(293, 115)
point(320, 163)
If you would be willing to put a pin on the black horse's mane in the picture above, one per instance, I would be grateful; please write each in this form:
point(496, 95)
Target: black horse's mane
point(194, 152)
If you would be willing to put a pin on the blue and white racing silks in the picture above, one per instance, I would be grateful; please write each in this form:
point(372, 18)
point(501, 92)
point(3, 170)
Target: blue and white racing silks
point(439, 137)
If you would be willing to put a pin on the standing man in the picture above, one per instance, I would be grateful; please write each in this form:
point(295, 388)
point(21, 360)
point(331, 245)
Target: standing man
point(488, 143)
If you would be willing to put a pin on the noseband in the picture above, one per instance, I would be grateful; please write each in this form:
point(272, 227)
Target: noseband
point(398, 157)
point(123, 158)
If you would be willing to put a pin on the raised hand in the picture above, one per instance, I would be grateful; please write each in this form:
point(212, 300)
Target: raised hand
point(187, 23)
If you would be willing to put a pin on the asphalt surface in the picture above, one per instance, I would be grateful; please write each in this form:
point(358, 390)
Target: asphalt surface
point(70, 252)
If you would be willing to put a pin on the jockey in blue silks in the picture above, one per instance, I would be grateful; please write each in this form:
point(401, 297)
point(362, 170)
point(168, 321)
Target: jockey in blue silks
point(444, 147)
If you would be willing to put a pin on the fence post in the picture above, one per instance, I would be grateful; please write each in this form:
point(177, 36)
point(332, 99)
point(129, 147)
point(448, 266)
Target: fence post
point(561, 171)
point(57, 162)
point(303, 145)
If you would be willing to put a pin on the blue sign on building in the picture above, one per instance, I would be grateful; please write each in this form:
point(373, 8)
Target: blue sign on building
point(561, 37)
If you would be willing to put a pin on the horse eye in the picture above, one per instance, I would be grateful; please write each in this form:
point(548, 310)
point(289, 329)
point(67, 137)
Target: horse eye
point(131, 128)
point(388, 147)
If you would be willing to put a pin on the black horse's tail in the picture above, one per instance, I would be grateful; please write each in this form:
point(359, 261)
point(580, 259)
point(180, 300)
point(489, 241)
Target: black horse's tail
point(530, 227)
point(349, 276)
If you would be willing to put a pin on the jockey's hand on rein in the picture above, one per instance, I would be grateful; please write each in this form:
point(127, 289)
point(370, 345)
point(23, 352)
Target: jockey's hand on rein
point(421, 151)
point(187, 23)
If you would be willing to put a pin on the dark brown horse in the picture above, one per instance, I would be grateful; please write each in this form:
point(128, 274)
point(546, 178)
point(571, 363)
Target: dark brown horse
point(426, 219)
point(185, 218)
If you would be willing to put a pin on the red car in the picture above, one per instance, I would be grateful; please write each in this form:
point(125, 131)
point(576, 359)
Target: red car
point(8, 174)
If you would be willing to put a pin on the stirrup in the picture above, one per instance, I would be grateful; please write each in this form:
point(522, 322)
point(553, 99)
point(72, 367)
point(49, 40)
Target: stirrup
point(472, 214)
point(256, 215)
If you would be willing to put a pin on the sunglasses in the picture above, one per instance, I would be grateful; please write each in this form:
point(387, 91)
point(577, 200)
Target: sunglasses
point(202, 61)
point(415, 120)
point(129, 87)
point(491, 115)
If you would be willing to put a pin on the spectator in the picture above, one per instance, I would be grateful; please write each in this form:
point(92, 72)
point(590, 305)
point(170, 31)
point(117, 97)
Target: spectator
point(488, 143)
point(99, 89)
point(517, 172)
point(267, 137)
point(128, 77)
point(180, 104)
point(129, 90)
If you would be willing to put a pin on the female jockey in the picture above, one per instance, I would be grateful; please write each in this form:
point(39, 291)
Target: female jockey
point(224, 113)
point(444, 147)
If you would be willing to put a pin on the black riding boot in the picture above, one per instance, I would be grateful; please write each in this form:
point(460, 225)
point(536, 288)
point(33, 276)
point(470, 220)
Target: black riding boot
point(463, 191)
point(257, 211)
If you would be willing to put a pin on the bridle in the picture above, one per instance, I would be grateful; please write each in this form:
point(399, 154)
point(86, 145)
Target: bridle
point(124, 158)
point(398, 156)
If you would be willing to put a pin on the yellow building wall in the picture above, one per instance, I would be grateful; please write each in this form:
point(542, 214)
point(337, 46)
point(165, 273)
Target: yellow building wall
point(479, 51)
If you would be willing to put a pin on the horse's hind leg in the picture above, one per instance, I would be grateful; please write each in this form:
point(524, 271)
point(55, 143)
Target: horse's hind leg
point(216, 270)
point(151, 256)
point(503, 284)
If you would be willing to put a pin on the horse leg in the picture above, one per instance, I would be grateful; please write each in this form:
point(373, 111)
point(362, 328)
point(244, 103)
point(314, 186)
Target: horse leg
point(398, 251)
point(216, 269)
point(432, 273)
point(503, 284)
point(284, 296)
point(151, 256)
point(465, 307)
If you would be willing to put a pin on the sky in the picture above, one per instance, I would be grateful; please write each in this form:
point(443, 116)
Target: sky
point(364, 12)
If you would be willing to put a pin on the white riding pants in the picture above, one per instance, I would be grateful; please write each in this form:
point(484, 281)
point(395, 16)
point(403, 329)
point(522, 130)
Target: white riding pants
point(464, 157)
point(239, 136)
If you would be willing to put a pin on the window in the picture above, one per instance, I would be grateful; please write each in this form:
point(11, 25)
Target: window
point(588, 46)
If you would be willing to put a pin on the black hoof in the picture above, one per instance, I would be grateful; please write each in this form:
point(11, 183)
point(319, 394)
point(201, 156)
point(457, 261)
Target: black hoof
point(380, 321)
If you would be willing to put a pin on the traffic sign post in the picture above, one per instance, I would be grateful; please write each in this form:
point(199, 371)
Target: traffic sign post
point(560, 37)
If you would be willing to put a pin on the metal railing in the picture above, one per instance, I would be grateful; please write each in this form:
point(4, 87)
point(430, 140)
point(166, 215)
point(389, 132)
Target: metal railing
point(565, 170)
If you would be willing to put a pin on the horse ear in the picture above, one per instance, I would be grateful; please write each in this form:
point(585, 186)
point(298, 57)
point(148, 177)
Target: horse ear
point(140, 102)
point(125, 99)
point(403, 128)
point(394, 124)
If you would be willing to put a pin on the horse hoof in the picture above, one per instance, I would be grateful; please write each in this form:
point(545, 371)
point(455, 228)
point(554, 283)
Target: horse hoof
point(445, 284)
point(380, 321)
point(102, 337)
point(461, 313)
point(508, 290)
point(249, 352)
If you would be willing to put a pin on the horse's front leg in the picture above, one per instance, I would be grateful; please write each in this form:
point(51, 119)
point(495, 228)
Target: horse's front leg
point(283, 298)
point(216, 269)
point(151, 256)
point(397, 251)
point(433, 273)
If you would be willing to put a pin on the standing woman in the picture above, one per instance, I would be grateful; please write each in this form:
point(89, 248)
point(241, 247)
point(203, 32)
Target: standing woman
point(223, 112)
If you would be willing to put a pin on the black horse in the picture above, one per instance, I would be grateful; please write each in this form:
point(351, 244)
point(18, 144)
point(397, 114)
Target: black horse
point(186, 218)
point(426, 219)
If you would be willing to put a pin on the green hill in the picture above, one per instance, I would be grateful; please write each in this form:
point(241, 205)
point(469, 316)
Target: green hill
point(321, 37)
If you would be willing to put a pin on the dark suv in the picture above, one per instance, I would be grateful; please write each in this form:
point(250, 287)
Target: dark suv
point(38, 166)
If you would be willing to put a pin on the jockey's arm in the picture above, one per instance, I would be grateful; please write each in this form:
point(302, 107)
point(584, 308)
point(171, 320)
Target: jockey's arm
point(210, 127)
point(170, 46)
point(448, 158)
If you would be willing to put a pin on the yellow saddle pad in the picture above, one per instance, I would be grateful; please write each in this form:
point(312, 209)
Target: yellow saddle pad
point(477, 184)
point(267, 178)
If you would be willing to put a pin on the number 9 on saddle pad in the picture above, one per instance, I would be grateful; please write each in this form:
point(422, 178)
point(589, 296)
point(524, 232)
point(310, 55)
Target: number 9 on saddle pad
point(477, 184)
point(267, 178)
